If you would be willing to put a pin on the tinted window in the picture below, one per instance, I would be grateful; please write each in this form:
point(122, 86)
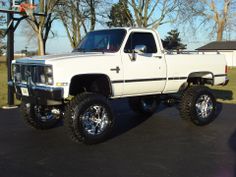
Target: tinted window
point(146, 39)
point(102, 41)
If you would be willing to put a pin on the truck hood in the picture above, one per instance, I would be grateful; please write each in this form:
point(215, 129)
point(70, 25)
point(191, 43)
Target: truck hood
point(48, 59)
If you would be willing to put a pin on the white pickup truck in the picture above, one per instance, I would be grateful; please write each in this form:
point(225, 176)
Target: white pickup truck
point(109, 64)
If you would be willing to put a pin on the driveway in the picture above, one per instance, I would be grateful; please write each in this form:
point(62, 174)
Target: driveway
point(161, 146)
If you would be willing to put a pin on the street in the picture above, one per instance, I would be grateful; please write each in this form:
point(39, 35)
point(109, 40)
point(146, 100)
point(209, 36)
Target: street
point(160, 146)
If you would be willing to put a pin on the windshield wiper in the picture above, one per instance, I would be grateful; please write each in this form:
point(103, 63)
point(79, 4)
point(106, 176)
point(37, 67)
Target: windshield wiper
point(79, 50)
point(98, 50)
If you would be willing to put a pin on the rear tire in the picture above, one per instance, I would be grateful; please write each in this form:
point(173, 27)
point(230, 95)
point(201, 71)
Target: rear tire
point(198, 104)
point(144, 105)
point(38, 117)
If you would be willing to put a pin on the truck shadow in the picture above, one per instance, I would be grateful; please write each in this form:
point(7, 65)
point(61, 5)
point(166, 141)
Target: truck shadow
point(232, 145)
point(126, 119)
point(223, 94)
point(219, 107)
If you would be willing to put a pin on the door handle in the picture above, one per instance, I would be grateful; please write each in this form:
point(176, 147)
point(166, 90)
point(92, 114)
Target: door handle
point(117, 69)
point(157, 56)
point(160, 57)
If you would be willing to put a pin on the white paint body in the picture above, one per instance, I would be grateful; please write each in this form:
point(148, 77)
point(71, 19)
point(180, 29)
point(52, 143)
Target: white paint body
point(166, 68)
point(230, 56)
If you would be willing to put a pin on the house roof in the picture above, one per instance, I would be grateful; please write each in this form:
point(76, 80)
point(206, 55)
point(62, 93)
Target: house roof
point(219, 45)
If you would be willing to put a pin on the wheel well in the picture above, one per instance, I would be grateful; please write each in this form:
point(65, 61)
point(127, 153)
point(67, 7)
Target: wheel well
point(201, 78)
point(198, 78)
point(97, 83)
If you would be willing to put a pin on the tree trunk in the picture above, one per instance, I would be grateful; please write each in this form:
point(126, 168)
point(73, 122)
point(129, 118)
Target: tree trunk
point(92, 15)
point(220, 30)
point(41, 46)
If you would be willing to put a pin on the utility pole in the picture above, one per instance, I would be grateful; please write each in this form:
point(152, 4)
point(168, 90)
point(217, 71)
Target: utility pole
point(10, 56)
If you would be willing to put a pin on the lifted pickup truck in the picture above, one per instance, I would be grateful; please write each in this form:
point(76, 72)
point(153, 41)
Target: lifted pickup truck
point(109, 64)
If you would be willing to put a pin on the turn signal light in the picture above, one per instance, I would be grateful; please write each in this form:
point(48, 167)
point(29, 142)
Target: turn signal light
point(61, 84)
point(226, 69)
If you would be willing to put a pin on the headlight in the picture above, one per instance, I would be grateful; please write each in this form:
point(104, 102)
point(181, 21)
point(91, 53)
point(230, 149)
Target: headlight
point(42, 79)
point(17, 76)
point(50, 81)
point(48, 75)
point(48, 70)
point(15, 73)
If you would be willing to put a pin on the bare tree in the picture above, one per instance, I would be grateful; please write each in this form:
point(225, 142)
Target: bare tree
point(72, 17)
point(152, 14)
point(92, 12)
point(2, 44)
point(79, 17)
point(41, 25)
point(212, 14)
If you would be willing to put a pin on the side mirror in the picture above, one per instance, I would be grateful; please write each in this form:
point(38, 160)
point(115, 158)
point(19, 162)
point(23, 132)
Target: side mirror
point(140, 49)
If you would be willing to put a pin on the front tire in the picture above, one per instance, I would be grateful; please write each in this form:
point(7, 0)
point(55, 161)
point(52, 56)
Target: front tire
point(89, 118)
point(198, 104)
point(38, 117)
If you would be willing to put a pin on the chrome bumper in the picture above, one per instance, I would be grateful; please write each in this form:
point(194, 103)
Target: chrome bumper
point(42, 95)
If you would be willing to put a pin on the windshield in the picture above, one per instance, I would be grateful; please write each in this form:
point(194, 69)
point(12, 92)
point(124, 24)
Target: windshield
point(102, 41)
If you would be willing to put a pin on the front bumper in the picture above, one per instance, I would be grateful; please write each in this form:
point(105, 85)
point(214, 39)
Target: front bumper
point(41, 95)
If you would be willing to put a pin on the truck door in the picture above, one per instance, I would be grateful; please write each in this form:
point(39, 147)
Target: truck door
point(144, 72)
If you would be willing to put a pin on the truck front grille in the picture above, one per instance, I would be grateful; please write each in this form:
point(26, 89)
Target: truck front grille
point(29, 74)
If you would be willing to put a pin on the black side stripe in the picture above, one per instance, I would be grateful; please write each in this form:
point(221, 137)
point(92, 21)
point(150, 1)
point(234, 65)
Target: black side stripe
point(117, 82)
point(220, 75)
point(177, 78)
point(147, 80)
point(138, 80)
point(158, 79)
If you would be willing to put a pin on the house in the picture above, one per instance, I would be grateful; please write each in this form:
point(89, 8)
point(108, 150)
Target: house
point(228, 48)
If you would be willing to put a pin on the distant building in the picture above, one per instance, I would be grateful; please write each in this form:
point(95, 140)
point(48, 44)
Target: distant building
point(17, 54)
point(228, 48)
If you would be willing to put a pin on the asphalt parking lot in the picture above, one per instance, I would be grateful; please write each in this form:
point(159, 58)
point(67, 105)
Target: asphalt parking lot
point(162, 145)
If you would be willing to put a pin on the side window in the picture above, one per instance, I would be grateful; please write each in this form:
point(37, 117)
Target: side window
point(146, 39)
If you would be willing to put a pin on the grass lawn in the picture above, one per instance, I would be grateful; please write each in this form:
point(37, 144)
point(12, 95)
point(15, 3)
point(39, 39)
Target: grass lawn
point(3, 83)
point(226, 94)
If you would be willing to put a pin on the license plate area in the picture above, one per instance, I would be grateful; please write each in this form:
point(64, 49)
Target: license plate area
point(24, 91)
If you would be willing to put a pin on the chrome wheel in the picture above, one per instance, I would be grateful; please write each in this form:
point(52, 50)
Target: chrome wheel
point(43, 114)
point(95, 120)
point(89, 118)
point(199, 105)
point(204, 106)
point(39, 117)
point(148, 103)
